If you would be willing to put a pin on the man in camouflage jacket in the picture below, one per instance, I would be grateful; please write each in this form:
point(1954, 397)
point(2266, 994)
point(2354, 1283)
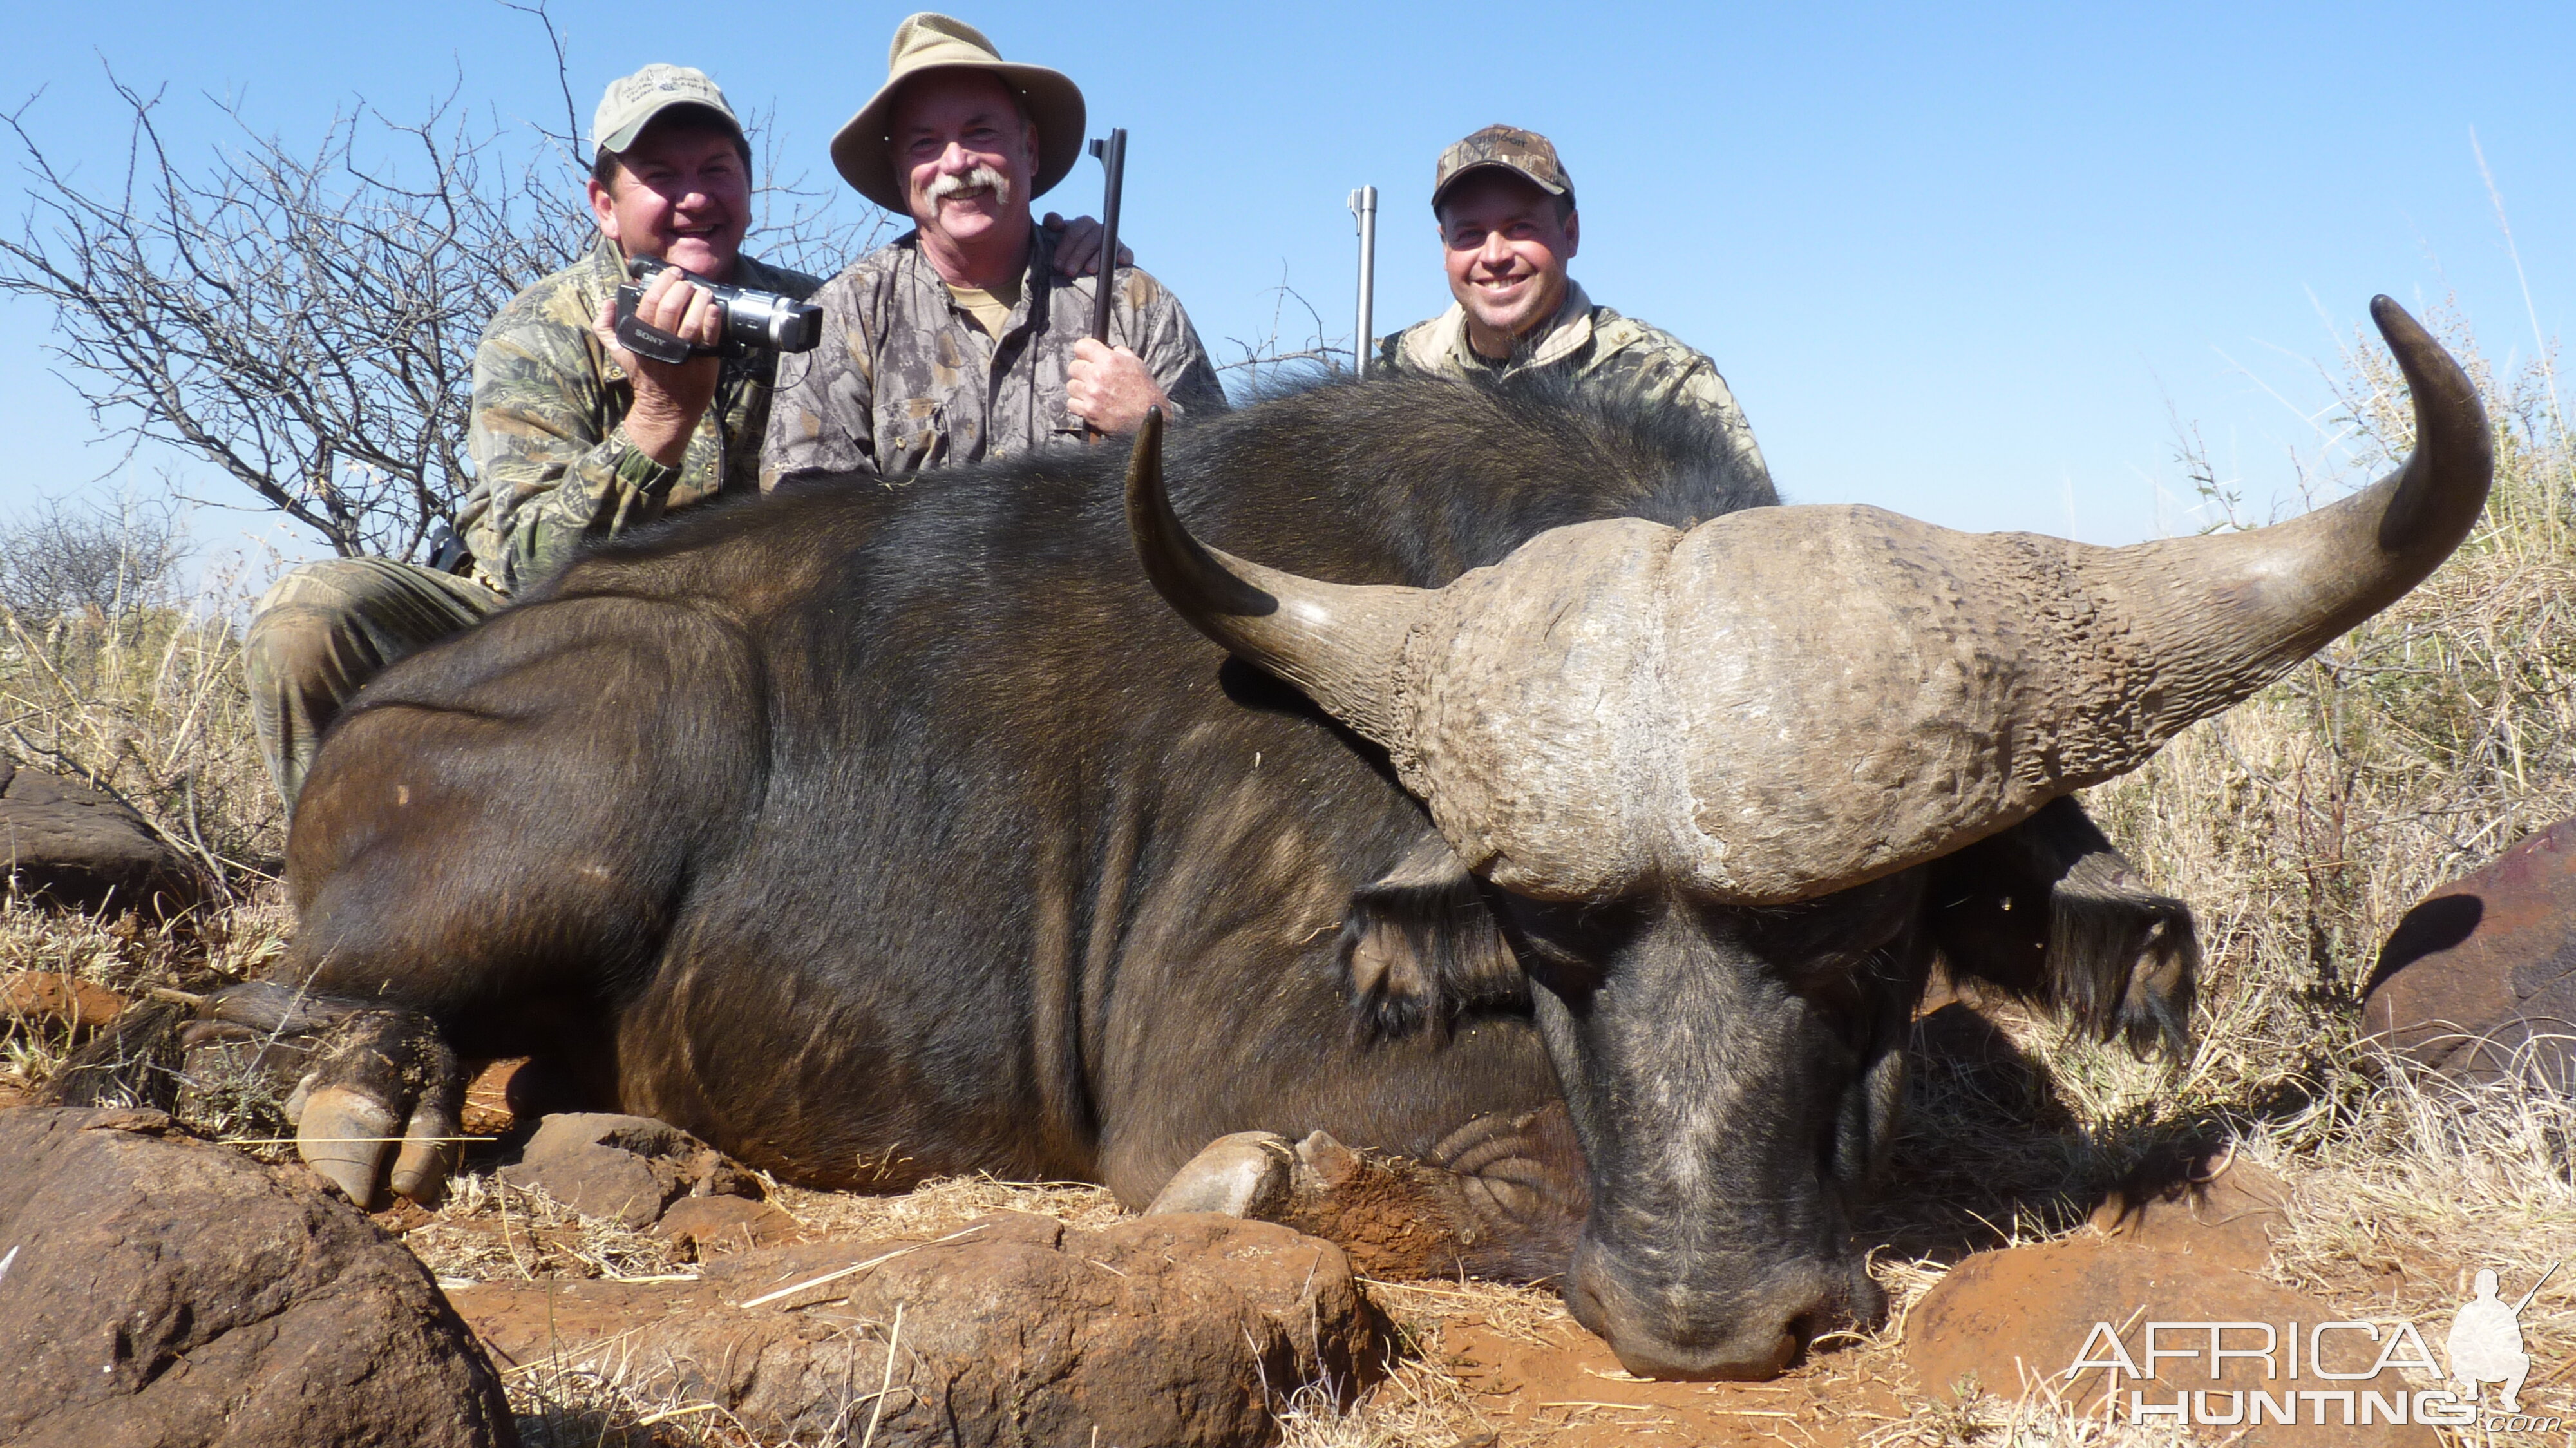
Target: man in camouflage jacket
point(572, 437)
point(1508, 228)
point(960, 341)
point(554, 464)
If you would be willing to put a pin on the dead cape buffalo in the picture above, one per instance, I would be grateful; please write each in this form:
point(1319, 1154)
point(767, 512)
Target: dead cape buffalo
point(871, 836)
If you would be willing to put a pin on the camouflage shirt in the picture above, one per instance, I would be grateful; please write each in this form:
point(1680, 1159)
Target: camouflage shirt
point(552, 463)
point(1595, 346)
point(905, 379)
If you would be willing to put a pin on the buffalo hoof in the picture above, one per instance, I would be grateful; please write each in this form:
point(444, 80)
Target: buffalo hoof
point(383, 1088)
point(1507, 1216)
point(1244, 1175)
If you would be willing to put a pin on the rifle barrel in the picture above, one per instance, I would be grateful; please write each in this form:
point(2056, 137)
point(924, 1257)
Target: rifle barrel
point(1364, 207)
point(1113, 162)
point(2535, 1288)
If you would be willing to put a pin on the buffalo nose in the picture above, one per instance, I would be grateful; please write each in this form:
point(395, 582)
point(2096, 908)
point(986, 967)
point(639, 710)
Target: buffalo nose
point(1747, 1334)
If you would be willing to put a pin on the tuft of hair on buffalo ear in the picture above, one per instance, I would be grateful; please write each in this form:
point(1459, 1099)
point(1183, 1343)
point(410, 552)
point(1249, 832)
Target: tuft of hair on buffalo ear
point(1419, 948)
point(2052, 913)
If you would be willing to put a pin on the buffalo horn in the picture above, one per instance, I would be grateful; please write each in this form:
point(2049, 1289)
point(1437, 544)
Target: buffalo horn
point(2226, 613)
point(1341, 643)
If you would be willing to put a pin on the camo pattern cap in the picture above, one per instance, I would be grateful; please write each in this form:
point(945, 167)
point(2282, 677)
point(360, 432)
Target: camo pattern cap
point(552, 464)
point(1526, 154)
point(632, 101)
point(1595, 347)
point(905, 378)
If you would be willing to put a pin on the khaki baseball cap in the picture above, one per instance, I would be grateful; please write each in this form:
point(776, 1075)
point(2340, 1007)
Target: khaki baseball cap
point(1526, 154)
point(632, 101)
point(927, 42)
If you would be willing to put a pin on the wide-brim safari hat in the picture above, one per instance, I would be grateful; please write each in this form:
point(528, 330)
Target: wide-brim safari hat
point(928, 42)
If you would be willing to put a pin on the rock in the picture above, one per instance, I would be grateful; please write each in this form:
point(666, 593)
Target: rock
point(1175, 1330)
point(488, 1108)
point(2211, 1205)
point(624, 1168)
point(167, 1292)
point(2480, 977)
point(704, 1227)
point(69, 845)
point(2014, 1321)
point(598, 1181)
point(65, 1000)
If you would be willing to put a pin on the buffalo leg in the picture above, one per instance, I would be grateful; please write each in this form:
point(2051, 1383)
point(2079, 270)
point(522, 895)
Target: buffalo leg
point(1502, 1197)
point(489, 854)
point(383, 1084)
point(367, 1079)
point(362, 1083)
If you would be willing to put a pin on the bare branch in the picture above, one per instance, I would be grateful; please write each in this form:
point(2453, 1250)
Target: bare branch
point(97, 561)
point(571, 137)
point(1267, 362)
point(305, 320)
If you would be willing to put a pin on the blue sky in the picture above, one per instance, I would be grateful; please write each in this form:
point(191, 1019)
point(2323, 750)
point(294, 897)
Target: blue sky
point(1966, 262)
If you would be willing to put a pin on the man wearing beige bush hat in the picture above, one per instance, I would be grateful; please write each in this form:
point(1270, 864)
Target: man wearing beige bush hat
point(960, 341)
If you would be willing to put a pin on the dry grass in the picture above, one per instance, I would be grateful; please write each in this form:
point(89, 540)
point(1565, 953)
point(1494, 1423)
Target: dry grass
point(131, 955)
point(1418, 1406)
point(150, 708)
point(2300, 827)
point(489, 1231)
point(938, 1207)
point(2036, 1420)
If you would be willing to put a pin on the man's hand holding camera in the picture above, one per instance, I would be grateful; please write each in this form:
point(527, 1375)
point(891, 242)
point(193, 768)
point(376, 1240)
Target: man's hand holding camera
point(669, 397)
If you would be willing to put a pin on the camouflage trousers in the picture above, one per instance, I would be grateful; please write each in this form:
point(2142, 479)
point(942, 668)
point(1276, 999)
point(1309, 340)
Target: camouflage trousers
point(325, 629)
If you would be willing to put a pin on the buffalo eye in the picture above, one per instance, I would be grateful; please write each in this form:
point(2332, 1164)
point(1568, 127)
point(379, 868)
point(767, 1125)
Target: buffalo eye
point(1567, 946)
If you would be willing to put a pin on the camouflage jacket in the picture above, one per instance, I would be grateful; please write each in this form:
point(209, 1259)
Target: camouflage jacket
point(1595, 346)
point(552, 465)
point(904, 379)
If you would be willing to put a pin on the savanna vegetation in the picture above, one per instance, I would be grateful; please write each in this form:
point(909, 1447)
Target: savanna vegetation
point(2300, 827)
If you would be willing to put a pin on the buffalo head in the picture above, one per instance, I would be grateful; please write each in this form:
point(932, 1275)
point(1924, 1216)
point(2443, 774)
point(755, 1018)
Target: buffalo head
point(1696, 772)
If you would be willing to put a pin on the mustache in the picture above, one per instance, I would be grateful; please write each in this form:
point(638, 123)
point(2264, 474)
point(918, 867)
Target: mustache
point(982, 178)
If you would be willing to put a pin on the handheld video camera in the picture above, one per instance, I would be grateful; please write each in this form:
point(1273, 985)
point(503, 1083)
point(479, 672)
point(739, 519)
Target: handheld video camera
point(752, 320)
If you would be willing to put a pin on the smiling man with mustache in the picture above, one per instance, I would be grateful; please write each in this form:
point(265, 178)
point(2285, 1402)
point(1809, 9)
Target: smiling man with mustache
point(1508, 228)
point(960, 341)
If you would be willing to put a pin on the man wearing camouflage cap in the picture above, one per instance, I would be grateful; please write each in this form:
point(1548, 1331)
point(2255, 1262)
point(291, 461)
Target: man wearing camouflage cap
point(573, 438)
point(958, 341)
point(1508, 228)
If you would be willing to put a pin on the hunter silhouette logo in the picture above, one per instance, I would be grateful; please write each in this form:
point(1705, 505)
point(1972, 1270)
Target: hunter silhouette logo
point(2486, 1342)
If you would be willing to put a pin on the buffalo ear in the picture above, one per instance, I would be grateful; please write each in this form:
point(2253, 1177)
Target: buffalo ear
point(2052, 913)
point(1420, 948)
